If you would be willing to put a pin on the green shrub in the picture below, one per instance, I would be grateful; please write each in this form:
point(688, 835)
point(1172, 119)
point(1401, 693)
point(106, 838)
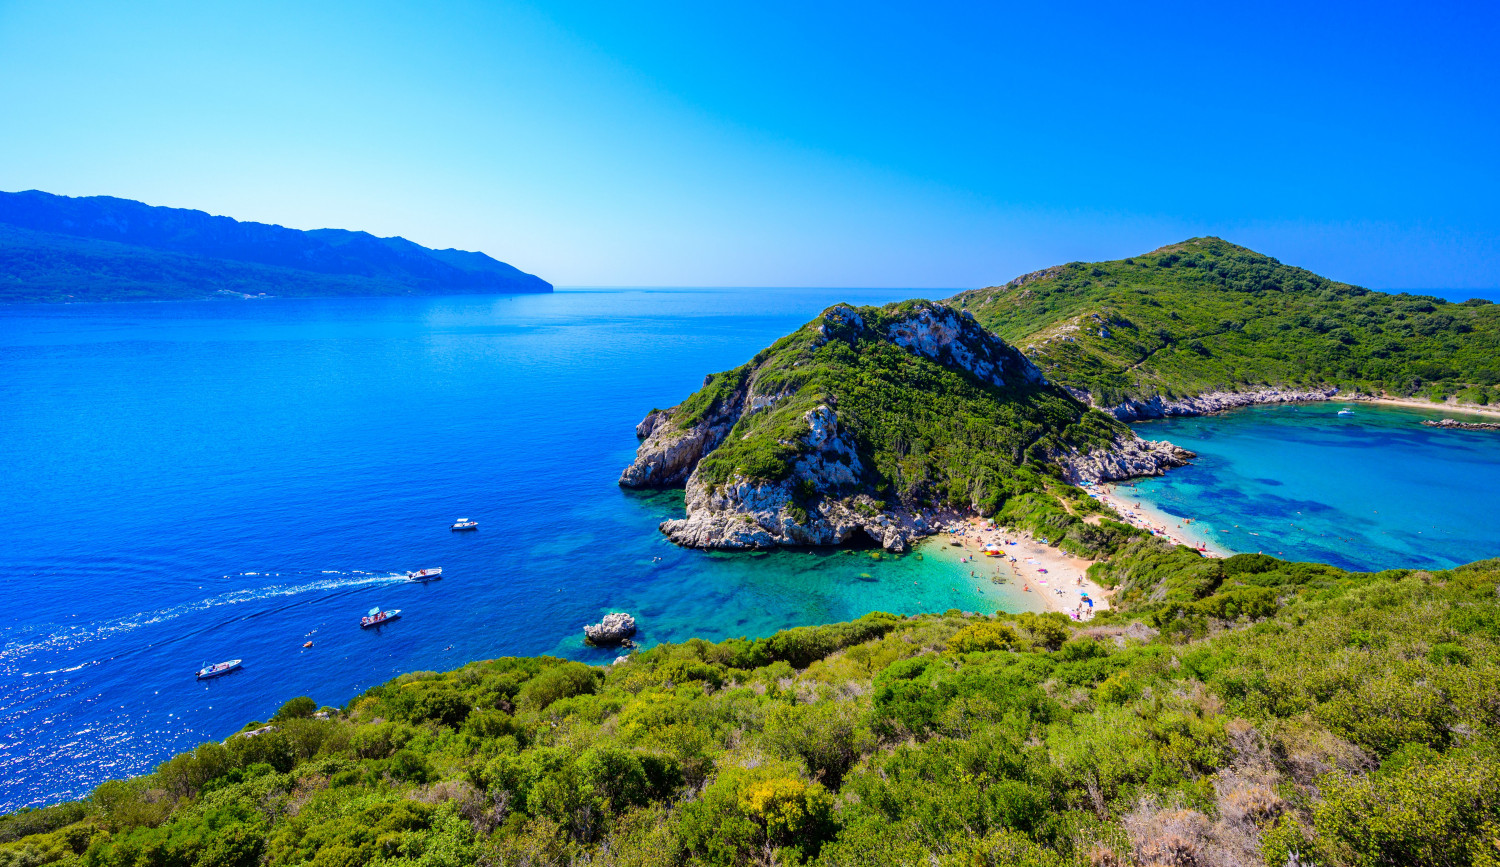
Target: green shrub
point(298, 708)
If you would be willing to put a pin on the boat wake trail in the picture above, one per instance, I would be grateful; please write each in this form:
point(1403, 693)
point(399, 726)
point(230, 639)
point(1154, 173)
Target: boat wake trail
point(44, 638)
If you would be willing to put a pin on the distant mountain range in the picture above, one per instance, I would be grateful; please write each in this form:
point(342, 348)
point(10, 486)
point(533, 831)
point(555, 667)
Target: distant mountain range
point(99, 248)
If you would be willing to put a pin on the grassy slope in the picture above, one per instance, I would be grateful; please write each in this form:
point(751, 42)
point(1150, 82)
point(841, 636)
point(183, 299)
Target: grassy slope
point(1207, 315)
point(929, 434)
point(1243, 709)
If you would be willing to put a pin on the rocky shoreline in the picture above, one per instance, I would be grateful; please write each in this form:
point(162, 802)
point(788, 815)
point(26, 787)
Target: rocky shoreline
point(1455, 424)
point(1129, 458)
point(1205, 404)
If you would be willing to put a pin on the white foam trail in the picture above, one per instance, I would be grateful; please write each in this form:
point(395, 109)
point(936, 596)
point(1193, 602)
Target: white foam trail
point(71, 636)
point(66, 670)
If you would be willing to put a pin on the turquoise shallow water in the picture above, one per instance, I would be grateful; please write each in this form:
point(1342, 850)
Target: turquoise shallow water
point(188, 483)
point(1376, 490)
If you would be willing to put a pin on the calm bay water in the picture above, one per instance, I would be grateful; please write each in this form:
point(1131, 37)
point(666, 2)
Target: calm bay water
point(188, 483)
point(1375, 490)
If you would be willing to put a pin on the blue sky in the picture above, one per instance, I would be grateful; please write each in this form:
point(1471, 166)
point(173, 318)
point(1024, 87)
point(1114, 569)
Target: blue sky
point(918, 145)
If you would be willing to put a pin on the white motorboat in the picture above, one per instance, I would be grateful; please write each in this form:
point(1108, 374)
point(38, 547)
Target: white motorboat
point(377, 617)
point(218, 669)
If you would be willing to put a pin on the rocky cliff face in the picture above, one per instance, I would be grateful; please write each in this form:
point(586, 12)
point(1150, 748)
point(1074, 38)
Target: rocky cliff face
point(1204, 404)
point(950, 337)
point(813, 506)
point(669, 452)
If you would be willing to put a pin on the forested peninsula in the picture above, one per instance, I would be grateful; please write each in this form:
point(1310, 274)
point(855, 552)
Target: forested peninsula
point(99, 248)
point(876, 422)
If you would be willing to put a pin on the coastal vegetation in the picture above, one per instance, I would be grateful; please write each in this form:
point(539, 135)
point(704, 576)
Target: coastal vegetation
point(1230, 712)
point(1206, 315)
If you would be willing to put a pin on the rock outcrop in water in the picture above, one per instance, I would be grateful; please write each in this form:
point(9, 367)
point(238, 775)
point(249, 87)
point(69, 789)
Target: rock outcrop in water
point(1455, 424)
point(612, 630)
point(859, 422)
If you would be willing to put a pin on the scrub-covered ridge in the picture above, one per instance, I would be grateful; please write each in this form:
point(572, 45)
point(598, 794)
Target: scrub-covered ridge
point(867, 419)
point(1246, 711)
point(1206, 325)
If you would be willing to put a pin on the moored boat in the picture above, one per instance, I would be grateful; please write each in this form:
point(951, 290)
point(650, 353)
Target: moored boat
point(218, 668)
point(464, 524)
point(377, 617)
point(1346, 411)
point(432, 574)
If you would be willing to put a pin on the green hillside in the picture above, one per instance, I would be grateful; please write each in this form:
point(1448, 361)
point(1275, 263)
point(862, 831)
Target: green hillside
point(1241, 712)
point(1206, 315)
point(929, 431)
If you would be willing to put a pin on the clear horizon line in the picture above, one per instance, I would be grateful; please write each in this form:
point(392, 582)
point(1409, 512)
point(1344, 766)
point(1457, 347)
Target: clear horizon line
point(762, 286)
point(1391, 290)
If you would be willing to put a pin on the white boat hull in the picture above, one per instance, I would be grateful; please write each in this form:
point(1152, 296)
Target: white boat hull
point(379, 620)
point(218, 670)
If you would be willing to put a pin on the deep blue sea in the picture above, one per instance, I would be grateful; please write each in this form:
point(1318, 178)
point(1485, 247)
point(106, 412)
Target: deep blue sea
point(189, 483)
point(1375, 490)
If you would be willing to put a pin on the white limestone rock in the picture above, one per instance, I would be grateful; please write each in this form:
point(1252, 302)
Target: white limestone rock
point(613, 629)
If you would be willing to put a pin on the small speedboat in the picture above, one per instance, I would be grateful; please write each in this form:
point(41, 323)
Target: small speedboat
point(432, 574)
point(1346, 411)
point(464, 524)
point(218, 668)
point(377, 617)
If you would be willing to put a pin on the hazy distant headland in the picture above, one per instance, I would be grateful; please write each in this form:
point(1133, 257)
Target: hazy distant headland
point(100, 248)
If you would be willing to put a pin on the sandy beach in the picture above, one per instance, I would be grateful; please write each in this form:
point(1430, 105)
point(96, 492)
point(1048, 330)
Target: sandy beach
point(1138, 513)
point(1056, 579)
point(1418, 403)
